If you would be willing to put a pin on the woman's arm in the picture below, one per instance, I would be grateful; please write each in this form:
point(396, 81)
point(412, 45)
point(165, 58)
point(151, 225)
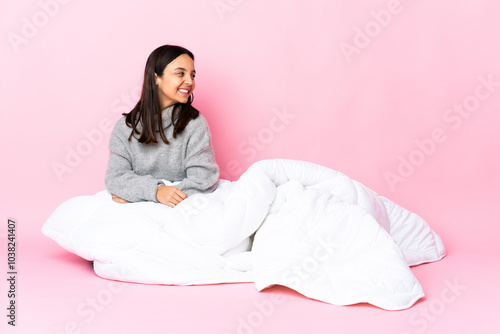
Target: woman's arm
point(200, 165)
point(121, 180)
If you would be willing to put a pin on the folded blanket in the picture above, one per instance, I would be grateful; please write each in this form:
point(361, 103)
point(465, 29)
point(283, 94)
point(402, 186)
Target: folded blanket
point(285, 222)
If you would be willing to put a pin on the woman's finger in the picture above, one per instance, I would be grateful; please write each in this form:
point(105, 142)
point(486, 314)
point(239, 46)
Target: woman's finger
point(118, 199)
point(176, 198)
point(169, 195)
point(181, 194)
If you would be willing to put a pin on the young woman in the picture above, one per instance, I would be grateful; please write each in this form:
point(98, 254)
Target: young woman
point(163, 138)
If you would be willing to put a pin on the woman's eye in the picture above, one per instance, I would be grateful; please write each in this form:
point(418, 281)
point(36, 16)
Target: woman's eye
point(192, 76)
point(180, 73)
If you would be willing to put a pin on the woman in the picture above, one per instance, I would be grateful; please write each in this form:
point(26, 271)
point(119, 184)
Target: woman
point(163, 137)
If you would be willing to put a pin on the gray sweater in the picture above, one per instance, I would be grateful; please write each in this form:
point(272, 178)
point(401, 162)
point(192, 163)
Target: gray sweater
point(135, 169)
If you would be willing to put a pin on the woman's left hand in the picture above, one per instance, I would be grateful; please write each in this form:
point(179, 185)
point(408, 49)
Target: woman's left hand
point(118, 199)
point(170, 196)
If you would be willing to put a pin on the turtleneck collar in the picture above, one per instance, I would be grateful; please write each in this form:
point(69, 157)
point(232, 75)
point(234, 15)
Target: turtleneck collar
point(166, 116)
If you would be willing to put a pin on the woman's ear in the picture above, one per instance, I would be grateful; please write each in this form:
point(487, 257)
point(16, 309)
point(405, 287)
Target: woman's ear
point(157, 80)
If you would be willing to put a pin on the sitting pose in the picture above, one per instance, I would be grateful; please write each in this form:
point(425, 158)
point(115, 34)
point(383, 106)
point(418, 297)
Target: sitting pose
point(163, 138)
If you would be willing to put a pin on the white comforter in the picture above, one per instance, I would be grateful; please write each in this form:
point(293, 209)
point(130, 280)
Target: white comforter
point(283, 222)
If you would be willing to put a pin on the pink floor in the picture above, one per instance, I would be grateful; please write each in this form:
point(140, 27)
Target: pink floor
point(59, 293)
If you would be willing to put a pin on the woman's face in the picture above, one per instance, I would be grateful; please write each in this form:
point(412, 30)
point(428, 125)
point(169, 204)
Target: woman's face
point(177, 82)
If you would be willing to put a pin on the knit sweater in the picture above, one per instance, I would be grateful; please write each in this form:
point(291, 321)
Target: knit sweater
point(136, 169)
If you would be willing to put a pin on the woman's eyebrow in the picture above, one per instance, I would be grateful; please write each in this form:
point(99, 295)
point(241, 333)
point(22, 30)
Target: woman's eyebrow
point(183, 69)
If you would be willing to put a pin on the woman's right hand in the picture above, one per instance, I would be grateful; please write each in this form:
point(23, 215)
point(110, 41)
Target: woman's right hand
point(118, 199)
point(169, 195)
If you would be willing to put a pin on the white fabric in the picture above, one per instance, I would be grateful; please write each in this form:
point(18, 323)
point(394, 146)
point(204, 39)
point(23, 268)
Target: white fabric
point(283, 222)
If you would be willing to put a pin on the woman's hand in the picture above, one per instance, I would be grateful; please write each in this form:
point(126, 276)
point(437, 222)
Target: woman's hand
point(169, 195)
point(118, 199)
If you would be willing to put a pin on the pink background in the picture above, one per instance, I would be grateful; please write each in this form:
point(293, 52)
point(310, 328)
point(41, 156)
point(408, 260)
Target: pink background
point(357, 86)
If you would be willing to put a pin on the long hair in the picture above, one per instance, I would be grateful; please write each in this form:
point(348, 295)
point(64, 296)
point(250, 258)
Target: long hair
point(147, 111)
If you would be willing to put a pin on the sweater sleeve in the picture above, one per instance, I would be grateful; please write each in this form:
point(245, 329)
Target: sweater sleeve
point(201, 168)
point(121, 180)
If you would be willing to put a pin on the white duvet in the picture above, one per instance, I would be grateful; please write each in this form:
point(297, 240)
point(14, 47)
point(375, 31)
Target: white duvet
point(284, 222)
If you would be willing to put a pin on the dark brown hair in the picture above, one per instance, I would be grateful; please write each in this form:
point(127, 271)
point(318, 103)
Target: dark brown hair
point(147, 111)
